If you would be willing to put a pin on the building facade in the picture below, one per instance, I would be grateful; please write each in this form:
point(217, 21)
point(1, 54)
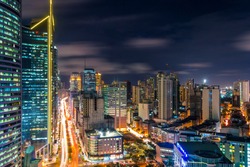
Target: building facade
point(196, 154)
point(37, 115)
point(103, 144)
point(164, 96)
point(75, 82)
point(115, 99)
point(91, 110)
point(236, 149)
point(242, 89)
point(211, 103)
point(10, 83)
point(89, 80)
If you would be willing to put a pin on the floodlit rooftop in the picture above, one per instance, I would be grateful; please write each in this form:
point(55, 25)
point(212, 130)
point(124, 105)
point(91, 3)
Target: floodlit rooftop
point(103, 133)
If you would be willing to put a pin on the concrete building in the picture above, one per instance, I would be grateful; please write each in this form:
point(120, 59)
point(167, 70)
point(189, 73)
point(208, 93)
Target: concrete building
point(150, 89)
point(211, 103)
point(136, 95)
point(103, 144)
point(91, 112)
point(115, 99)
point(164, 96)
point(144, 110)
point(242, 88)
point(196, 154)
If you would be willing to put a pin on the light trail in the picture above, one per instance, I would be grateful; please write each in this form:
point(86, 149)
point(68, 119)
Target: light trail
point(64, 144)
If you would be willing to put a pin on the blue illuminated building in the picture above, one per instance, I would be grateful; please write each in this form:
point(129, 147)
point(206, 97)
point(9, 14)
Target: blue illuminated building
point(196, 154)
point(10, 83)
point(35, 85)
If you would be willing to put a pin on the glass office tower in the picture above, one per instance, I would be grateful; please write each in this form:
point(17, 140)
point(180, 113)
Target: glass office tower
point(35, 125)
point(35, 85)
point(10, 83)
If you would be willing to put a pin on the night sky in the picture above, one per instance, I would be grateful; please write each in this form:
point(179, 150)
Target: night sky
point(134, 39)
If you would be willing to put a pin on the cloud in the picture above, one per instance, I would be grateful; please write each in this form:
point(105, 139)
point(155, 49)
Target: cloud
point(183, 72)
point(103, 66)
point(147, 42)
point(228, 73)
point(197, 65)
point(243, 43)
point(34, 9)
point(111, 19)
point(79, 49)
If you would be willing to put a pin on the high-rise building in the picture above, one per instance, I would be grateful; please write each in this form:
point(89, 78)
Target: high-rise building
point(144, 110)
point(164, 96)
point(150, 89)
point(194, 100)
point(176, 92)
point(242, 88)
point(91, 110)
point(89, 80)
point(39, 81)
point(75, 81)
point(144, 91)
point(99, 83)
point(115, 99)
point(187, 93)
point(135, 95)
point(10, 83)
point(211, 103)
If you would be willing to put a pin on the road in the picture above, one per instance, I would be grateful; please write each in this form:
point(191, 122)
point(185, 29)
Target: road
point(63, 137)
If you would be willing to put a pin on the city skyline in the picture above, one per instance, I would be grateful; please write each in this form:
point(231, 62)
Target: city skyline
point(124, 83)
point(198, 40)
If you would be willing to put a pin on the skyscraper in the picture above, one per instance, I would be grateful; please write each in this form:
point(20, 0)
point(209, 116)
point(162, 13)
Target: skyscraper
point(91, 110)
point(176, 92)
point(89, 80)
point(39, 80)
point(35, 85)
point(211, 103)
point(164, 96)
point(10, 83)
point(115, 102)
point(242, 89)
point(75, 81)
point(99, 83)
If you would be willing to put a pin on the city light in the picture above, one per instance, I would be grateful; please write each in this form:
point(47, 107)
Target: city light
point(102, 96)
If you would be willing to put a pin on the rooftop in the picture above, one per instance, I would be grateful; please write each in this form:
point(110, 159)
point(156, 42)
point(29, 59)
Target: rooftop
point(207, 150)
point(193, 147)
point(103, 133)
point(238, 139)
point(166, 145)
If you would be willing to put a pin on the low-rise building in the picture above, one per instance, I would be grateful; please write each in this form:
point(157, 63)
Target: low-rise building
point(237, 149)
point(196, 154)
point(103, 144)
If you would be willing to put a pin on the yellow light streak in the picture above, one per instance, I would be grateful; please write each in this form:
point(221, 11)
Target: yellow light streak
point(37, 24)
